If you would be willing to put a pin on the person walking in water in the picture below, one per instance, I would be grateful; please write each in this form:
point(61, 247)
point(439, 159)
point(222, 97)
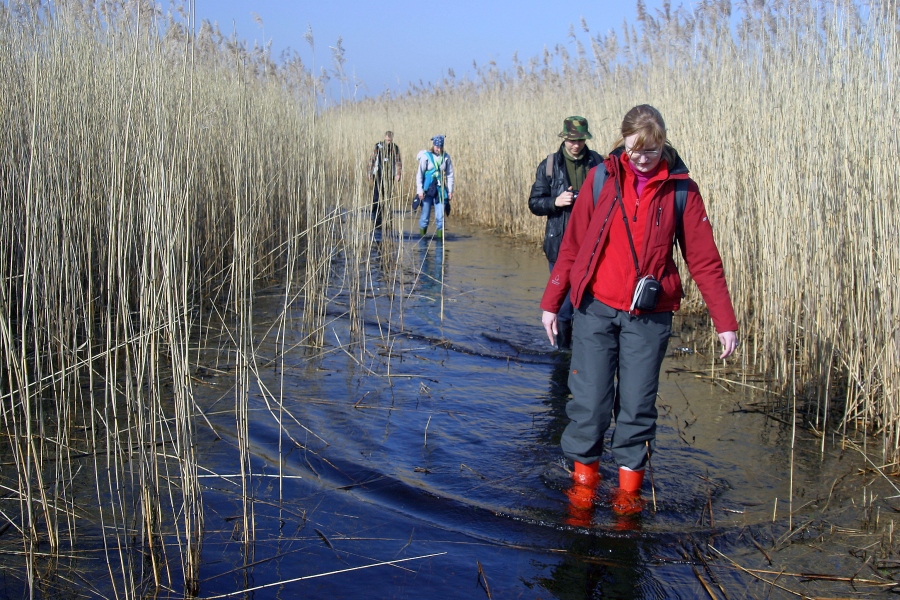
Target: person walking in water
point(385, 168)
point(617, 262)
point(434, 185)
point(556, 186)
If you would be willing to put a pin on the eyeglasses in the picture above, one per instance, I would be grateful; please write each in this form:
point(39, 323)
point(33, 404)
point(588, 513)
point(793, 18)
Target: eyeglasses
point(647, 154)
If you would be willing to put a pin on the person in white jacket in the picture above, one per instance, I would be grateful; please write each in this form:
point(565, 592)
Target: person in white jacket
point(434, 185)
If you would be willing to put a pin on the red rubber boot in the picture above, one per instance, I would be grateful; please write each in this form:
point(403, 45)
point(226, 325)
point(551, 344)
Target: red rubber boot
point(627, 498)
point(585, 479)
point(586, 474)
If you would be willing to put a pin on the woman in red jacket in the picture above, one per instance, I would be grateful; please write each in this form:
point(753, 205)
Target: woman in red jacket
point(620, 338)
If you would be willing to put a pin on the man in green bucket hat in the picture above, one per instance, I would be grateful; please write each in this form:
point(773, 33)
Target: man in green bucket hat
point(555, 190)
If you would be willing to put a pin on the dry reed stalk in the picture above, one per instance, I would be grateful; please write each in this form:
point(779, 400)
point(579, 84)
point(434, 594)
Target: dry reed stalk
point(652, 483)
point(338, 572)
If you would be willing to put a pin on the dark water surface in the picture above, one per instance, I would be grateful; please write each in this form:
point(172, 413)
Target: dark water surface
point(452, 464)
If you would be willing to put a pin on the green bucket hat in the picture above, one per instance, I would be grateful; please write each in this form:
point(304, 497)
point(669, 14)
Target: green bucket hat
point(575, 128)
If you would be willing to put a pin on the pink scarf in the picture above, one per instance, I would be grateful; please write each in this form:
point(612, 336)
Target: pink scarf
point(641, 179)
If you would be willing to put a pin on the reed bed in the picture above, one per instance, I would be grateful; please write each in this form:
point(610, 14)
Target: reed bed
point(151, 179)
point(784, 112)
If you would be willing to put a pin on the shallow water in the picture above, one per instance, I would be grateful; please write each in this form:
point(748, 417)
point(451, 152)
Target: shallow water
point(450, 467)
point(453, 461)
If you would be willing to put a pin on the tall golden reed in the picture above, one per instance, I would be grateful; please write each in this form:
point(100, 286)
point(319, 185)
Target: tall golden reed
point(149, 179)
point(785, 115)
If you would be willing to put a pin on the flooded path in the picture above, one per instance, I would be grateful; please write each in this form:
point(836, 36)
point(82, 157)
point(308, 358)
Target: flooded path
point(452, 464)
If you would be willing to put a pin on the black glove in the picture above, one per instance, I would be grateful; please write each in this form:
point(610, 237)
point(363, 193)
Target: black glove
point(447, 207)
point(416, 203)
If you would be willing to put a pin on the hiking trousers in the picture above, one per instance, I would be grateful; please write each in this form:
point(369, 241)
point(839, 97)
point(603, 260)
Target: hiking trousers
point(429, 202)
point(616, 358)
point(378, 203)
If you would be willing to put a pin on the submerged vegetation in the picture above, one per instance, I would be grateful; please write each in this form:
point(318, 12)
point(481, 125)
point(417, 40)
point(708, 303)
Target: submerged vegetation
point(152, 178)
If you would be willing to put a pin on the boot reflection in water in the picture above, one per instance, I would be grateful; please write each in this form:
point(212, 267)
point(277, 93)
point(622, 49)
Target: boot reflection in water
point(627, 499)
point(585, 479)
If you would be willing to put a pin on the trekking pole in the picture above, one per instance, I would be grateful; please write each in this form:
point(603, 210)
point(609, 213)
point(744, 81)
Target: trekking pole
point(650, 468)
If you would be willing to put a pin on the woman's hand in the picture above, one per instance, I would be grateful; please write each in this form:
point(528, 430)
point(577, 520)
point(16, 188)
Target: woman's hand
point(729, 343)
point(549, 321)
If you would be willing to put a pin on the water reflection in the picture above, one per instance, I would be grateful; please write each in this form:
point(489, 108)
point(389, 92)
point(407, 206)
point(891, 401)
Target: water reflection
point(557, 397)
point(430, 255)
point(599, 568)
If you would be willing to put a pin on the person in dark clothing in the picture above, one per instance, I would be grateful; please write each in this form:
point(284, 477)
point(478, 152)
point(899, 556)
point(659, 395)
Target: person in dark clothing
point(384, 171)
point(556, 186)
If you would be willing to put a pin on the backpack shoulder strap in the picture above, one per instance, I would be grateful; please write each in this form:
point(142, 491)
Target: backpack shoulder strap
point(600, 176)
point(681, 191)
point(549, 164)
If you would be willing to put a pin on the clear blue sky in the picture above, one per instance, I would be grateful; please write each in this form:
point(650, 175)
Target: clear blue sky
point(391, 43)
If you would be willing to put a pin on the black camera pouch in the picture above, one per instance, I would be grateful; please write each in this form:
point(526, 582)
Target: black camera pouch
point(646, 294)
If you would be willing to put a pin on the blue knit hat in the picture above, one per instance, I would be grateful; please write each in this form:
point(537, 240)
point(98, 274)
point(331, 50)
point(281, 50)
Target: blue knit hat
point(438, 141)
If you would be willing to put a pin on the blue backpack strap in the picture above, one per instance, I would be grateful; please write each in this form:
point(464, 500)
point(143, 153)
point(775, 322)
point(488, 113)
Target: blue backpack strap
point(600, 176)
point(439, 174)
point(681, 192)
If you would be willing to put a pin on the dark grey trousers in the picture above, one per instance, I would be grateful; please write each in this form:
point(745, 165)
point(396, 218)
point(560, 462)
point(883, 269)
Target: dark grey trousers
point(616, 359)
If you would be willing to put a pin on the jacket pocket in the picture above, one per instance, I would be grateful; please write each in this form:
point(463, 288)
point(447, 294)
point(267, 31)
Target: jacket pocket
point(672, 291)
point(663, 228)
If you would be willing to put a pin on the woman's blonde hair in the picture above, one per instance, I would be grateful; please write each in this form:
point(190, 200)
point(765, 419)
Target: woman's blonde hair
point(647, 123)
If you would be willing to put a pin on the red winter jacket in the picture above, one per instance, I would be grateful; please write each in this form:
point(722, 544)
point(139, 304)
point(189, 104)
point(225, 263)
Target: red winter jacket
point(588, 233)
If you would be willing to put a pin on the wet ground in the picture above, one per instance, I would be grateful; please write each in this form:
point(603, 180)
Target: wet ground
point(426, 462)
point(445, 478)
